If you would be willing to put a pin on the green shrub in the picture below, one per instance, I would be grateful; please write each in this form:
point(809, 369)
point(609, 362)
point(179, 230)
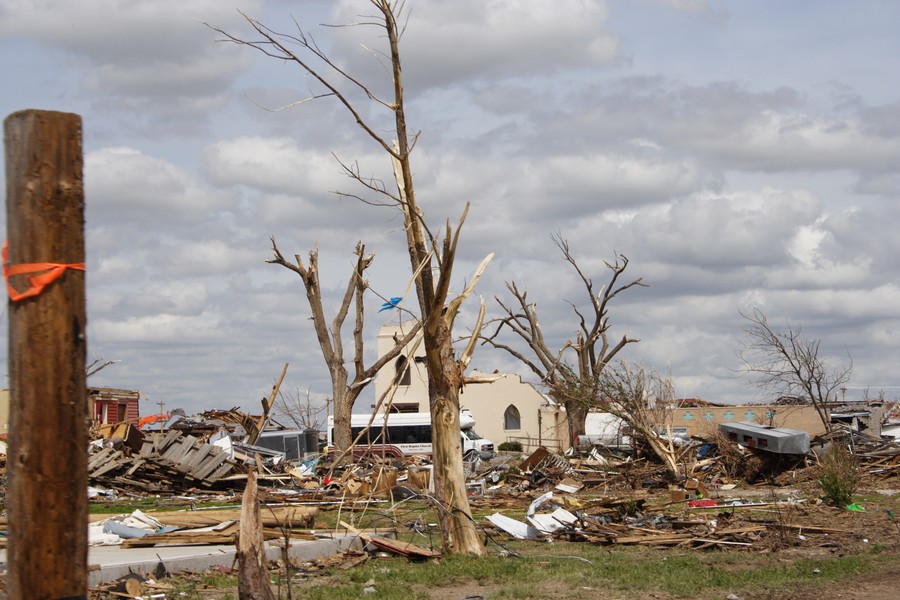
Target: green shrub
point(510, 447)
point(839, 477)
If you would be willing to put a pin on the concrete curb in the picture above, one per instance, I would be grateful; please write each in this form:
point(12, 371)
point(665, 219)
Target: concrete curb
point(108, 563)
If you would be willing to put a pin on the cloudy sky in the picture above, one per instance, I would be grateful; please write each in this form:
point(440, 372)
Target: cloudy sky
point(741, 154)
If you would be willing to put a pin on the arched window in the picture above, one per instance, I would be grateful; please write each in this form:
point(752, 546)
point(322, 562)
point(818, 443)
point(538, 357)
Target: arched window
point(511, 418)
point(402, 366)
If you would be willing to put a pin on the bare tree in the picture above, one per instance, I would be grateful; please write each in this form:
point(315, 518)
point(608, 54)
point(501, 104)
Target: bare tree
point(645, 400)
point(783, 361)
point(298, 408)
point(431, 255)
point(344, 390)
point(572, 383)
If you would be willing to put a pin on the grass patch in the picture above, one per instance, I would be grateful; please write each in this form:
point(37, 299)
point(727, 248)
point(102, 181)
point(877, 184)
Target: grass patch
point(559, 570)
point(149, 504)
point(205, 586)
point(886, 501)
point(218, 580)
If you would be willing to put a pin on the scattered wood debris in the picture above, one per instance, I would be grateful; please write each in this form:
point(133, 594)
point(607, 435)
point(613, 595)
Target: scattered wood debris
point(407, 549)
point(168, 461)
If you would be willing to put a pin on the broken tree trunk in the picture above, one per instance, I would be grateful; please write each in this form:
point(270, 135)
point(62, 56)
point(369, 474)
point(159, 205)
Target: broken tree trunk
point(253, 577)
point(47, 459)
point(458, 529)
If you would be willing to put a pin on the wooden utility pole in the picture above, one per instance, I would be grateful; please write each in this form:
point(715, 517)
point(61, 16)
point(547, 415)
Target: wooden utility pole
point(47, 457)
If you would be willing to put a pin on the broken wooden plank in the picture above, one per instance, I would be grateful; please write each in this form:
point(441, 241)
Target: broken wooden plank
point(210, 466)
point(808, 528)
point(407, 549)
point(100, 457)
point(196, 459)
point(270, 516)
point(138, 463)
point(110, 465)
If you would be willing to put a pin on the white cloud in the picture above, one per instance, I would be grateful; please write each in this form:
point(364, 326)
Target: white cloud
point(125, 184)
point(172, 299)
point(804, 247)
point(445, 42)
point(209, 257)
point(615, 180)
point(853, 272)
point(776, 141)
point(738, 229)
point(736, 160)
point(149, 58)
point(274, 165)
point(871, 303)
point(157, 329)
point(97, 27)
point(885, 184)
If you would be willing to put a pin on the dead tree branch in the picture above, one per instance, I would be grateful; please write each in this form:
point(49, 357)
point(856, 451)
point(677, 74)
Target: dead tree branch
point(783, 361)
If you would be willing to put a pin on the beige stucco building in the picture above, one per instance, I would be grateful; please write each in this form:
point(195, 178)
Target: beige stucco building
point(505, 408)
point(701, 419)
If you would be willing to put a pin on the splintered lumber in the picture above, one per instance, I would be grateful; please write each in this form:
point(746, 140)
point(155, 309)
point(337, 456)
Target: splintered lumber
point(222, 526)
point(211, 466)
point(184, 538)
point(704, 543)
point(406, 549)
point(282, 516)
point(226, 535)
point(108, 462)
point(808, 528)
point(99, 458)
point(542, 458)
point(668, 538)
point(178, 452)
point(629, 535)
point(174, 460)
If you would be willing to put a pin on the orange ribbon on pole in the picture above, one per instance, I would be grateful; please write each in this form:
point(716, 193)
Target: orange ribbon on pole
point(47, 273)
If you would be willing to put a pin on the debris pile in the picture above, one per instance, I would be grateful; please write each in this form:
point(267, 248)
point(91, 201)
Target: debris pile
point(758, 525)
point(166, 462)
point(213, 451)
point(875, 456)
point(207, 452)
point(700, 510)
